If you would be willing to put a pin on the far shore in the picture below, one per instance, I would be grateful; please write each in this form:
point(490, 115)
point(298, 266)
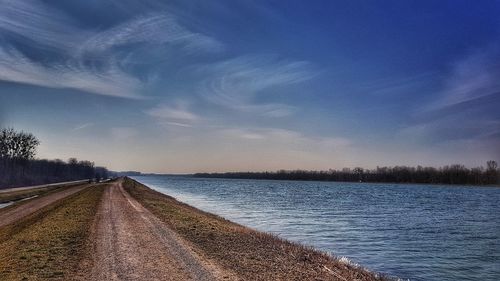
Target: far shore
point(305, 180)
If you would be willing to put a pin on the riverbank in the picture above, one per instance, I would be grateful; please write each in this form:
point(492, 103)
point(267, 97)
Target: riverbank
point(250, 254)
point(124, 230)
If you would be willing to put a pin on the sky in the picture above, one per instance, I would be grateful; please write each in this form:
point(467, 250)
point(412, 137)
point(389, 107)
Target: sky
point(210, 86)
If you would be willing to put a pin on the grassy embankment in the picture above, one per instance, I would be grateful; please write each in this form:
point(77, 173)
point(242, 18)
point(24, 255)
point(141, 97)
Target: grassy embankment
point(49, 243)
point(250, 254)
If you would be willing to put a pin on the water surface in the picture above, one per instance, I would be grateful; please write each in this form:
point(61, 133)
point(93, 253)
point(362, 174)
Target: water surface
point(415, 232)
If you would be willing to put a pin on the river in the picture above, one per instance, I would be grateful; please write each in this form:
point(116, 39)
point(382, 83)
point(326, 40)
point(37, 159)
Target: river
point(416, 232)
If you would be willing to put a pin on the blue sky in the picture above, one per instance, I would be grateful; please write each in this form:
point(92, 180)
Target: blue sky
point(190, 86)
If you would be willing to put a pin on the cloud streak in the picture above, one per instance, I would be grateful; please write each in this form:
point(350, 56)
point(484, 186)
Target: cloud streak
point(287, 138)
point(82, 126)
point(16, 67)
point(472, 78)
point(151, 29)
point(467, 106)
point(177, 115)
point(236, 83)
point(83, 59)
point(40, 24)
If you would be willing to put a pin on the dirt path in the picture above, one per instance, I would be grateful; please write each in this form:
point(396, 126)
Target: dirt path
point(5, 190)
point(130, 243)
point(18, 212)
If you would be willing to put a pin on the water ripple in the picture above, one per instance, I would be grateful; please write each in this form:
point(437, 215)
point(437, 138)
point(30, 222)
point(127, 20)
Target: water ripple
point(416, 232)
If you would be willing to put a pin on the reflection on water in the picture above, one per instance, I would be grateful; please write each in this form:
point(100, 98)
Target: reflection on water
point(411, 231)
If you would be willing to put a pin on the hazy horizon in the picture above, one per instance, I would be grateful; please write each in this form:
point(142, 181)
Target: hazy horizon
point(213, 86)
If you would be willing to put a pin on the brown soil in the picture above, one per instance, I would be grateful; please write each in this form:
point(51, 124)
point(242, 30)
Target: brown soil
point(128, 242)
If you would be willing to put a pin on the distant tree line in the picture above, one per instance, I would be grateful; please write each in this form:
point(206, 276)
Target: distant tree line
point(18, 167)
point(452, 174)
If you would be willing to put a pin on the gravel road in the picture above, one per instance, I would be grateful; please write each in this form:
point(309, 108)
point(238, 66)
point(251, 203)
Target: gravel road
point(130, 243)
point(5, 190)
point(33, 205)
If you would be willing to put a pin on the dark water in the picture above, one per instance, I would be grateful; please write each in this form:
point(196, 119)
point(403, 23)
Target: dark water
point(415, 232)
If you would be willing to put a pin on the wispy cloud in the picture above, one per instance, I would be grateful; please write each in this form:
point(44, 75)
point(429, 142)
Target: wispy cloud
point(177, 124)
point(236, 83)
point(82, 126)
point(287, 138)
point(471, 78)
point(40, 24)
point(177, 115)
point(452, 127)
point(69, 56)
point(16, 67)
point(466, 107)
point(151, 29)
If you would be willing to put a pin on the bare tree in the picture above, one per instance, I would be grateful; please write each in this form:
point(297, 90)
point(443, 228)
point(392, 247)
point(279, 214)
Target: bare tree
point(451, 174)
point(17, 145)
point(492, 172)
